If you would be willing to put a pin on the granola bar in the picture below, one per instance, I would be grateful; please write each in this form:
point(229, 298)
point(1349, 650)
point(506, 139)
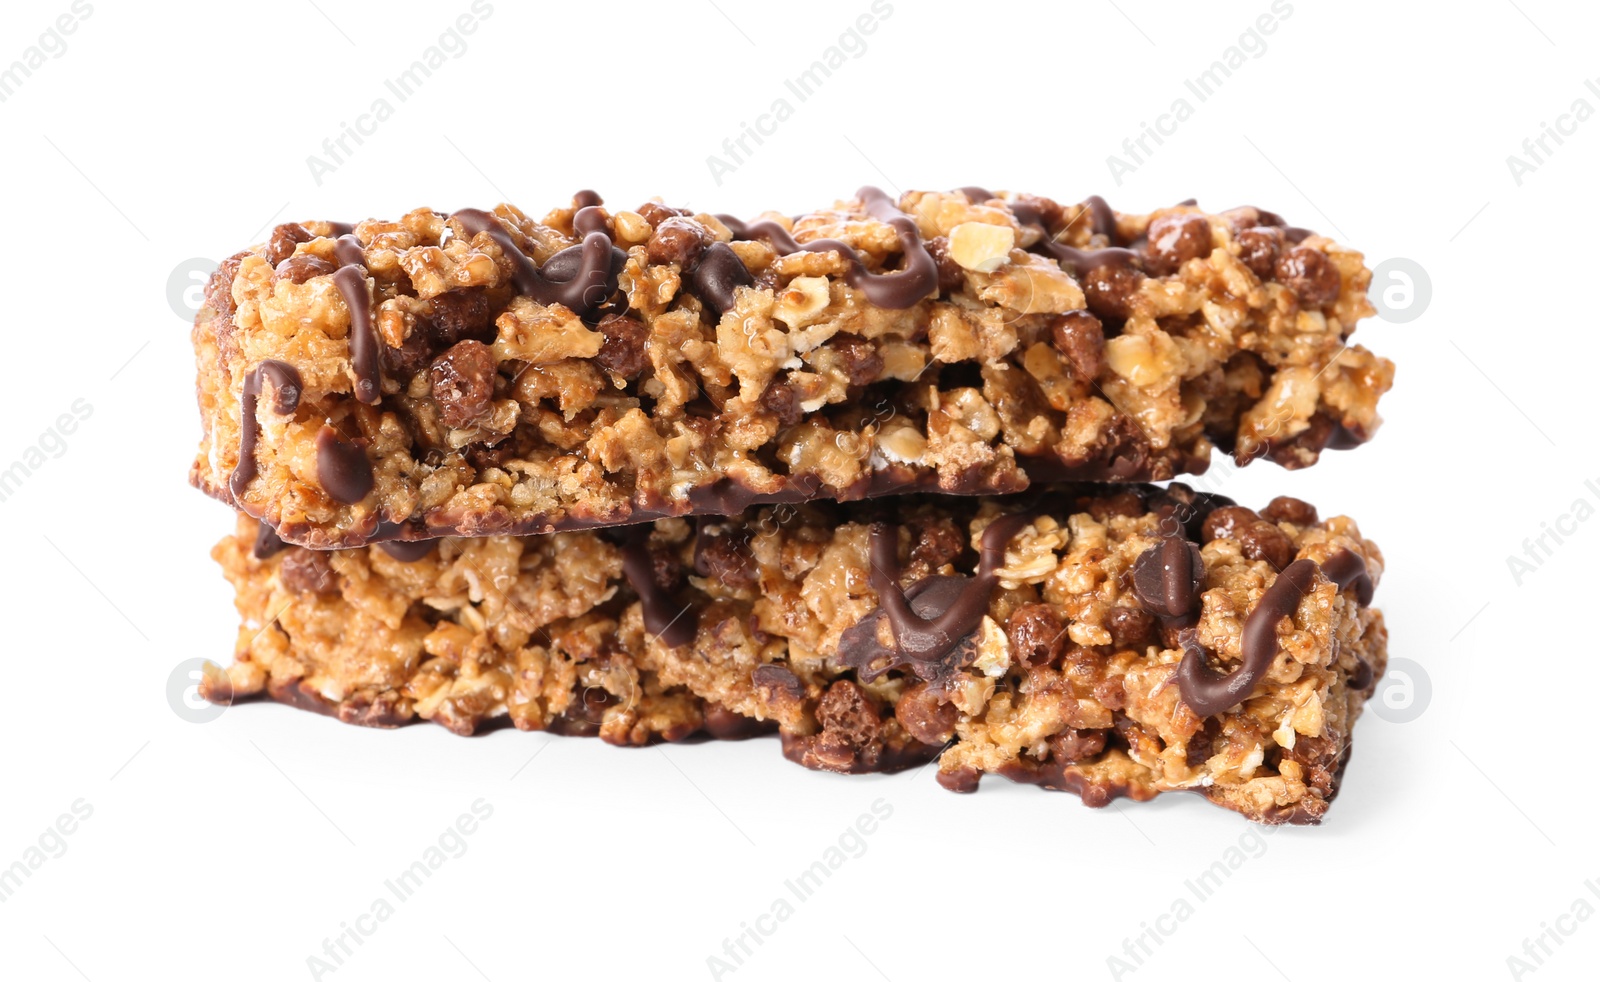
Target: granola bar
point(484, 373)
point(1105, 640)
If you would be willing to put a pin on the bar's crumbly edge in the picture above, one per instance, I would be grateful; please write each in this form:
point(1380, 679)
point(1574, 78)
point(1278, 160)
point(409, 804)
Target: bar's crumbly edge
point(1081, 629)
point(486, 373)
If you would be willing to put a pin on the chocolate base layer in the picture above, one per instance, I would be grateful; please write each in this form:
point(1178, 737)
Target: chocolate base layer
point(485, 373)
point(1112, 641)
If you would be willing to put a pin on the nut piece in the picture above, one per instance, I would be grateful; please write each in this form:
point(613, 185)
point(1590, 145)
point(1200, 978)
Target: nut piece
point(801, 301)
point(1136, 359)
point(623, 353)
point(280, 245)
point(858, 358)
point(902, 444)
point(980, 246)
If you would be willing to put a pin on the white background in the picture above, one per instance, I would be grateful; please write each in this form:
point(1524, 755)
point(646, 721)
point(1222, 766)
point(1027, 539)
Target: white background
point(232, 849)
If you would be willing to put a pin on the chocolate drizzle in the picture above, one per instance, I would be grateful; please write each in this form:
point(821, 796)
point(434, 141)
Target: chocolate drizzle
point(1345, 568)
point(716, 278)
point(1102, 220)
point(409, 552)
point(342, 468)
point(286, 387)
point(589, 219)
point(1081, 261)
point(349, 250)
point(351, 279)
point(1209, 692)
point(932, 620)
point(579, 278)
point(898, 290)
point(663, 616)
point(267, 542)
point(1167, 579)
point(1361, 678)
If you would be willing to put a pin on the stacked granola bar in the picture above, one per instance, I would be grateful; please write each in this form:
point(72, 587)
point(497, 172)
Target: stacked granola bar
point(862, 477)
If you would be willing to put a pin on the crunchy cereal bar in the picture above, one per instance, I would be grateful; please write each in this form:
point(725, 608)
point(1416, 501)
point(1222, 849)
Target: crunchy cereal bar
point(485, 373)
point(1106, 640)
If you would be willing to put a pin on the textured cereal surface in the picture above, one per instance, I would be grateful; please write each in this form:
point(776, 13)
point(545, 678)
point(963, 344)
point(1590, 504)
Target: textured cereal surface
point(499, 414)
point(1066, 682)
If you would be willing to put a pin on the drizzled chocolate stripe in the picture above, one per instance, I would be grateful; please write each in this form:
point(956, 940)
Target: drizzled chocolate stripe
point(898, 290)
point(349, 250)
point(1345, 568)
point(1102, 220)
point(351, 279)
point(922, 640)
point(1167, 579)
point(409, 552)
point(717, 277)
point(1080, 261)
point(589, 218)
point(286, 387)
point(342, 467)
point(664, 617)
point(591, 263)
point(1209, 692)
point(267, 542)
